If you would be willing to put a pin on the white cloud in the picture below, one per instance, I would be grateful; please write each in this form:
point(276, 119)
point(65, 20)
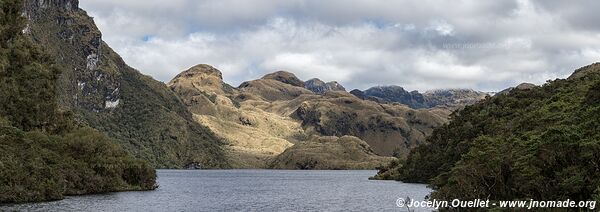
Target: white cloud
point(494, 44)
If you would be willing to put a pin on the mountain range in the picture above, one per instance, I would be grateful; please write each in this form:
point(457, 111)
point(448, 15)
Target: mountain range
point(76, 119)
point(199, 120)
point(260, 120)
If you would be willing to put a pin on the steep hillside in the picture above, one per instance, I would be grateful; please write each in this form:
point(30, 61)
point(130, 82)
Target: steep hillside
point(142, 114)
point(262, 118)
point(390, 129)
point(253, 136)
point(44, 155)
point(540, 142)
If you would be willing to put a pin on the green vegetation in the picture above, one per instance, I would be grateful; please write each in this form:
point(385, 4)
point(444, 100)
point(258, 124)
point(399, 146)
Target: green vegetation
point(43, 153)
point(151, 122)
point(541, 143)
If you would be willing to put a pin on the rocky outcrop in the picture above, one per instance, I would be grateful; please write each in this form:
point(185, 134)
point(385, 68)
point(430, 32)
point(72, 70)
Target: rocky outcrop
point(201, 77)
point(138, 112)
point(397, 94)
point(273, 87)
point(320, 87)
point(522, 86)
point(284, 77)
point(328, 153)
point(68, 5)
point(67, 32)
point(453, 98)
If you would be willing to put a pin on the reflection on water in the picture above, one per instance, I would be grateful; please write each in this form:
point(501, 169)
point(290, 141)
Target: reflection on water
point(248, 190)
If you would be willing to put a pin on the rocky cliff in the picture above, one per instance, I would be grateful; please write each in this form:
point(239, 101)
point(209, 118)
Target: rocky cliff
point(320, 87)
point(140, 113)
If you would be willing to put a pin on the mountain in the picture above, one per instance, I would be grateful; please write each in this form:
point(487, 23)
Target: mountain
point(253, 136)
point(327, 153)
point(522, 86)
point(397, 94)
point(280, 85)
point(446, 98)
point(44, 154)
point(539, 142)
point(140, 113)
point(263, 118)
point(453, 98)
point(320, 87)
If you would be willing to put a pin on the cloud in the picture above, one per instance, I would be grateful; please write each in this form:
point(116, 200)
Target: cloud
point(486, 45)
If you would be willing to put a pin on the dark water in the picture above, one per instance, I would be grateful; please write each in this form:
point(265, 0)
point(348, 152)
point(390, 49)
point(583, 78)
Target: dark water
point(248, 190)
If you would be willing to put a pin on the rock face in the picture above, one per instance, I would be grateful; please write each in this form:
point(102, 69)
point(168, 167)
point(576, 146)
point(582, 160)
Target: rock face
point(328, 153)
point(320, 87)
point(397, 94)
point(138, 112)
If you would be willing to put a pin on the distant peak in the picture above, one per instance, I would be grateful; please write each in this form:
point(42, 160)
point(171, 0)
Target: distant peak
point(387, 87)
point(285, 77)
point(201, 70)
point(525, 86)
point(318, 86)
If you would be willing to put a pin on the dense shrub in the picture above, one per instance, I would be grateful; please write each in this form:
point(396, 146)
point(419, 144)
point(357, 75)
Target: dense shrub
point(43, 155)
point(541, 143)
point(36, 166)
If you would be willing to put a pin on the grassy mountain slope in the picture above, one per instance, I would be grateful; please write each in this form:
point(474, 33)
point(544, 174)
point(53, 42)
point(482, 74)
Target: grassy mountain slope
point(44, 155)
point(541, 143)
point(265, 117)
point(328, 153)
point(142, 114)
point(253, 136)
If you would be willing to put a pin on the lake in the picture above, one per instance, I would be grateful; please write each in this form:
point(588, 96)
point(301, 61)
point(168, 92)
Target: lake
point(248, 190)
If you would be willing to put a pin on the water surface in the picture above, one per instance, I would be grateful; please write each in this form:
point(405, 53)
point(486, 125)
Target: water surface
point(248, 190)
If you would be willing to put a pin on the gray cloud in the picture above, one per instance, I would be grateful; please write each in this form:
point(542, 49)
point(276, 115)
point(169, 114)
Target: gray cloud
point(486, 45)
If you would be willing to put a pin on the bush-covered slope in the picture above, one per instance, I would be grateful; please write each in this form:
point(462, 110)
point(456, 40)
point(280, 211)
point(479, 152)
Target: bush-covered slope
point(142, 114)
point(37, 166)
point(43, 154)
point(541, 143)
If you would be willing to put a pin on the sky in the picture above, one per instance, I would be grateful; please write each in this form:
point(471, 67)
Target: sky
point(417, 44)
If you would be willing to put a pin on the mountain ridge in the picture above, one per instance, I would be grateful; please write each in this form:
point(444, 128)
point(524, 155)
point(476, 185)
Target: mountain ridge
point(142, 114)
point(296, 114)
